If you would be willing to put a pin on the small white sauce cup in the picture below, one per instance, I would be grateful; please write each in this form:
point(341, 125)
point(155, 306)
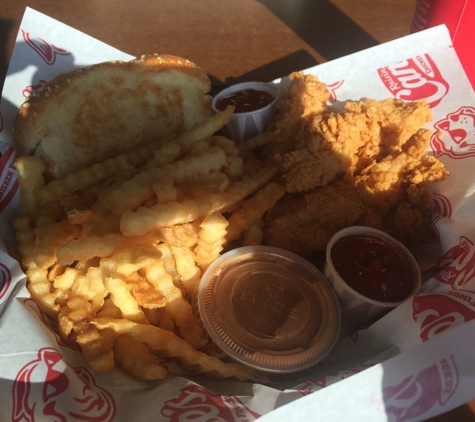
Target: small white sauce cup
point(358, 310)
point(244, 126)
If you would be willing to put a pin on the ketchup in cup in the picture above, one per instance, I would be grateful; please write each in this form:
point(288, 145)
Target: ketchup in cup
point(245, 101)
point(254, 104)
point(371, 273)
point(373, 267)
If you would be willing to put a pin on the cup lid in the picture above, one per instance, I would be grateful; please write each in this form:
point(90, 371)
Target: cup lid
point(269, 309)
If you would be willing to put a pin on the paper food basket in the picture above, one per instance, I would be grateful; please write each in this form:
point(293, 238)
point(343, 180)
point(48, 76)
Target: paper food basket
point(416, 362)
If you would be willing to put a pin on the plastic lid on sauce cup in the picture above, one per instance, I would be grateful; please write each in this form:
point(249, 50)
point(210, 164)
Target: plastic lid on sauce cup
point(359, 304)
point(269, 309)
point(243, 126)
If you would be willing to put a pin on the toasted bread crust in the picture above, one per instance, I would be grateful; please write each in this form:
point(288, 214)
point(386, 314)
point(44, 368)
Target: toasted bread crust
point(96, 112)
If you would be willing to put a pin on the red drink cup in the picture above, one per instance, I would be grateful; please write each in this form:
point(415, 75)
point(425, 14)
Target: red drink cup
point(459, 17)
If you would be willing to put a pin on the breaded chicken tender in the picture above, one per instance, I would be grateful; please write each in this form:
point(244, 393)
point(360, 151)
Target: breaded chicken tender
point(368, 165)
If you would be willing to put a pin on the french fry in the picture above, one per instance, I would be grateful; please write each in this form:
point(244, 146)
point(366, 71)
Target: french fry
point(50, 240)
point(252, 209)
point(96, 349)
point(168, 344)
point(204, 130)
point(136, 359)
point(41, 290)
point(165, 155)
point(97, 173)
point(97, 246)
point(25, 238)
point(132, 193)
point(176, 305)
point(115, 252)
point(253, 235)
point(30, 177)
point(182, 235)
point(210, 239)
point(145, 220)
point(190, 273)
point(123, 299)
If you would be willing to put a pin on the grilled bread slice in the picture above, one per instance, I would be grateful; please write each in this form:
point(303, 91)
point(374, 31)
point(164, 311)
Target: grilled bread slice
point(97, 112)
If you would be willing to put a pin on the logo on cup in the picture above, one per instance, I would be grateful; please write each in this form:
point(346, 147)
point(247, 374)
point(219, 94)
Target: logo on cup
point(457, 129)
point(415, 79)
point(48, 52)
point(42, 391)
point(435, 313)
point(196, 403)
point(417, 394)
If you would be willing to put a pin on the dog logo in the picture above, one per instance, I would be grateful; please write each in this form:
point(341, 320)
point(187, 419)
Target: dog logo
point(415, 79)
point(457, 266)
point(197, 404)
point(458, 134)
point(435, 313)
point(5, 279)
point(8, 177)
point(48, 52)
point(333, 88)
point(42, 390)
point(417, 394)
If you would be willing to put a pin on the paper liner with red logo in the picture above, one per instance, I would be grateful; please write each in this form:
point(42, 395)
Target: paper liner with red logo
point(40, 387)
point(423, 346)
point(416, 394)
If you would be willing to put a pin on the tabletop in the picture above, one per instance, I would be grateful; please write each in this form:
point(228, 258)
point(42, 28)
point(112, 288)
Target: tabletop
point(233, 41)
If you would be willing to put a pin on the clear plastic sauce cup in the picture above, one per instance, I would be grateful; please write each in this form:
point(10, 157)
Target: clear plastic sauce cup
point(269, 309)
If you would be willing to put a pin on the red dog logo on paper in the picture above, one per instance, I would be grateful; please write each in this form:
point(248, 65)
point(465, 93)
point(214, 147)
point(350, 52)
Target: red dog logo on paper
point(32, 88)
point(5, 280)
point(442, 208)
point(48, 52)
point(415, 79)
point(332, 88)
point(417, 394)
point(195, 403)
point(42, 391)
point(458, 134)
point(435, 313)
point(8, 178)
point(457, 266)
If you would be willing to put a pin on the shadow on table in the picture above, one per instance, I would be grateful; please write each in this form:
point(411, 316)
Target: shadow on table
point(324, 27)
point(300, 59)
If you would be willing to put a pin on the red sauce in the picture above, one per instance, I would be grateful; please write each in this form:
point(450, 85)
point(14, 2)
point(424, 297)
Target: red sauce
point(373, 268)
point(245, 101)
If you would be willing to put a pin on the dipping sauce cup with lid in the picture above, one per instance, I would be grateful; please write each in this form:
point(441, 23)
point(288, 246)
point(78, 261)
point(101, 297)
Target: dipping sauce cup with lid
point(371, 272)
point(269, 309)
point(254, 104)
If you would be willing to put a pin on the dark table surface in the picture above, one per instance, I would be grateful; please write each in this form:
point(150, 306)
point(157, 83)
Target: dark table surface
point(233, 41)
